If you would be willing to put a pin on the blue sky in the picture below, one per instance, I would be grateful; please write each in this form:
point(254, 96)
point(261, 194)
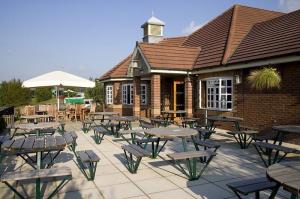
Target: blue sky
point(88, 37)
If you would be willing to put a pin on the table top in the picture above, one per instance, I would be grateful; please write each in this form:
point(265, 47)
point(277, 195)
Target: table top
point(287, 174)
point(35, 116)
point(35, 144)
point(225, 118)
point(288, 128)
point(40, 125)
point(157, 119)
point(104, 113)
point(124, 118)
point(174, 112)
point(171, 132)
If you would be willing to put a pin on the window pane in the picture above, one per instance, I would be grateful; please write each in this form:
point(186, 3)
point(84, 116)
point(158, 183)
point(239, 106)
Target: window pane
point(229, 82)
point(229, 105)
point(228, 97)
point(223, 90)
point(223, 82)
point(229, 90)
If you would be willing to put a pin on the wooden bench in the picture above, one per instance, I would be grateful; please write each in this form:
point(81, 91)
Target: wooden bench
point(87, 125)
point(190, 158)
point(207, 144)
point(272, 158)
point(99, 132)
point(70, 138)
point(146, 125)
point(249, 186)
point(204, 133)
point(136, 151)
point(87, 161)
point(55, 174)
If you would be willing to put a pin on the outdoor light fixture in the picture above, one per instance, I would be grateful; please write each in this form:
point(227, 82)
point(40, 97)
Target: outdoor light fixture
point(237, 79)
point(135, 63)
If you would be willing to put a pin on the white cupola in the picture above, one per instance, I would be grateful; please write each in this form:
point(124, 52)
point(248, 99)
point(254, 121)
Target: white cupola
point(153, 30)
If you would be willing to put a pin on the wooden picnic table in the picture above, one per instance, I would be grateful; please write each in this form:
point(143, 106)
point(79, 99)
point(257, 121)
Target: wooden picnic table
point(36, 127)
point(285, 129)
point(244, 138)
point(160, 133)
point(171, 114)
point(122, 122)
point(212, 119)
point(38, 145)
point(103, 114)
point(157, 122)
point(286, 174)
point(34, 118)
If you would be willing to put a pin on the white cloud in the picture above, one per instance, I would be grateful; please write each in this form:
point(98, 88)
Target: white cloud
point(289, 5)
point(191, 28)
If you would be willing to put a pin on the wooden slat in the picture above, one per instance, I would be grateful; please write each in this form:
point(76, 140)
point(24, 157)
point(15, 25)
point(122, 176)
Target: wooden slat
point(275, 146)
point(60, 141)
point(6, 145)
point(136, 150)
point(34, 174)
point(39, 144)
point(50, 143)
point(83, 156)
point(17, 145)
point(68, 138)
point(28, 144)
point(3, 138)
point(93, 156)
point(190, 154)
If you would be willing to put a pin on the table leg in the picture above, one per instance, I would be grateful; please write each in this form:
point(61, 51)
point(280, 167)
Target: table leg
point(38, 181)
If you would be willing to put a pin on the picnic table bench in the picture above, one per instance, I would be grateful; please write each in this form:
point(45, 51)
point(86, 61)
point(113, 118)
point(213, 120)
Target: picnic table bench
point(244, 138)
point(204, 133)
point(272, 158)
point(99, 132)
point(87, 125)
point(132, 163)
point(87, 163)
point(70, 138)
point(191, 162)
point(255, 185)
point(206, 144)
point(54, 174)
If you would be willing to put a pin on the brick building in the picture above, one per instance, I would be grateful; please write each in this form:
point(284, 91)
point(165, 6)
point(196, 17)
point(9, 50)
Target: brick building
point(206, 72)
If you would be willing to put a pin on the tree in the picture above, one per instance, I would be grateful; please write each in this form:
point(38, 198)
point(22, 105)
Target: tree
point(265, 78)
point(12, 93)
point(95, 93)
point(43, 94)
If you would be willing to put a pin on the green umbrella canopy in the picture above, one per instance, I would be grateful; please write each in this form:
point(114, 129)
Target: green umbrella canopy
point(73, 100)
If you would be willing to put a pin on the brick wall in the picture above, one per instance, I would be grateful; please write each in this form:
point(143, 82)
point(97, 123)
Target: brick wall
point(262, 109)
point(155, 95)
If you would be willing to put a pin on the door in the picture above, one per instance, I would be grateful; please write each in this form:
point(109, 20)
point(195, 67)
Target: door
point(178, 95)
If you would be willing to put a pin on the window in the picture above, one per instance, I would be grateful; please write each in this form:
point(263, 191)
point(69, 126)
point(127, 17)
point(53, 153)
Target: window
point(127, 94)
point(109, 94)
point(143, 94)
point(219, 93)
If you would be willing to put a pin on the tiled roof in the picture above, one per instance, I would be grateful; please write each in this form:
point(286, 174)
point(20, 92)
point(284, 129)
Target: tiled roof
point(120, 70)
point(271, 38)
point(173, 41)
point(161, 56)
point(221, 36)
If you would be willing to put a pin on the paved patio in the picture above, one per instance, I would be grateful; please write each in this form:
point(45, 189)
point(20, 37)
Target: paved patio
point(156, 178)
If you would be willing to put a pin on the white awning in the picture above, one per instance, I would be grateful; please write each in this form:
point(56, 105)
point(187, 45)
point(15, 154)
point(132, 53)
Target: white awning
point(58, 78)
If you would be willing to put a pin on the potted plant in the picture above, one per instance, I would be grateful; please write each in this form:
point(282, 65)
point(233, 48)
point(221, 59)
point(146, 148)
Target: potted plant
point(265, 78)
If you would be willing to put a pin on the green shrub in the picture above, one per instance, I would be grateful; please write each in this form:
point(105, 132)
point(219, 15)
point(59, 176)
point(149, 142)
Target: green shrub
point(43, 94)
point(12, 93)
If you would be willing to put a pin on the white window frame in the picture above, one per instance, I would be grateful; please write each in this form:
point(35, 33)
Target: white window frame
point(144, 95)
point(215, 89)
point(109, 94)
point(125, 95)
